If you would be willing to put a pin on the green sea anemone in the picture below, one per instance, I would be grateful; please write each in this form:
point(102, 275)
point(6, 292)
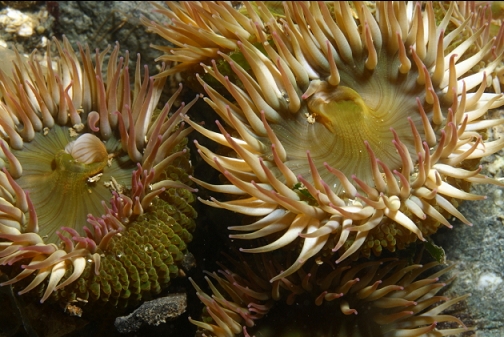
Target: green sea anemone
point(350, 129)
point(93, 189)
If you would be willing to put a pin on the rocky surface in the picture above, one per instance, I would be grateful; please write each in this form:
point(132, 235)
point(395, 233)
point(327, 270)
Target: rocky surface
point(96, 23)
point(478, 251)
point(152, 313)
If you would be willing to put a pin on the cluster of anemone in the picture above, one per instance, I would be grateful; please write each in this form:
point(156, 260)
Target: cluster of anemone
point(93, 189)
point(350, 128)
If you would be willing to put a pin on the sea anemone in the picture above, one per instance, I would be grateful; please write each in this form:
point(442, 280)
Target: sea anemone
point(350, 129)
point(93, 193)
point(388, 297)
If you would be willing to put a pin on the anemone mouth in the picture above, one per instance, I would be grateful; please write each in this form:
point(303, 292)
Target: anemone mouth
point(66, 187)
point(85, 156)
point(304, 80)
point(336, 124)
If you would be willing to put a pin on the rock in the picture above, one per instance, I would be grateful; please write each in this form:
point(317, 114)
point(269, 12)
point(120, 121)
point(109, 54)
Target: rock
point(153, 313)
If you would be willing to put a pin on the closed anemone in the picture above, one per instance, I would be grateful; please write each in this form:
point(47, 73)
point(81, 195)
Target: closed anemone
point(350, 129)
point(93, 193)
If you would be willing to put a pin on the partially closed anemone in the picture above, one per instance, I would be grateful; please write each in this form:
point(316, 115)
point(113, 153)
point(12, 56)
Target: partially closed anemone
point(382, 298)
point(93, 194)
point(350, 129)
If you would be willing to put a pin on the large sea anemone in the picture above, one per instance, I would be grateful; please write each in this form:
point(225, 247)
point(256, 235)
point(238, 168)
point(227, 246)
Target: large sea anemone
point(94, 201)
point(351, 128)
